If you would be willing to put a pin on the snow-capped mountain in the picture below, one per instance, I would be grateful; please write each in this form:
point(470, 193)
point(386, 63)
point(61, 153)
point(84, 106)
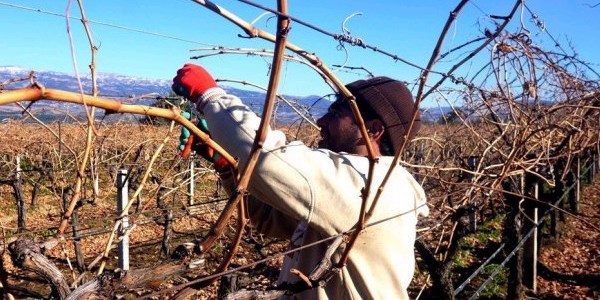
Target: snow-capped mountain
point(110, 85)
point(128, 89)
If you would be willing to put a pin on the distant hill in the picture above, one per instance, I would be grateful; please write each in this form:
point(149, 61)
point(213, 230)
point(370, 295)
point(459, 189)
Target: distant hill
point(127, 89)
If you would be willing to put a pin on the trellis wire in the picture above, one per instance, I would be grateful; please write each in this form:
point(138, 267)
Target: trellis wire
point(524, 239)
point(150, 220)
point(93, 231)
point(340, 37)
point(569, 189)
point(277, 255)
point(38, 10)
point(479, 269)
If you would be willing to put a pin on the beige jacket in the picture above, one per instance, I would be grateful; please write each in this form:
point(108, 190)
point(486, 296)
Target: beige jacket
point(321, 190)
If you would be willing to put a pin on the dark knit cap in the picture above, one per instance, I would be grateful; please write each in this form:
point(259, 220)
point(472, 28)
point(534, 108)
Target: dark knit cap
point(392, 103)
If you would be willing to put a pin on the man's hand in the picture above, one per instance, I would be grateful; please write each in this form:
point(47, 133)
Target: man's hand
point(188, 144)
point(192, 81)
point(208, 152)
point(186, 140)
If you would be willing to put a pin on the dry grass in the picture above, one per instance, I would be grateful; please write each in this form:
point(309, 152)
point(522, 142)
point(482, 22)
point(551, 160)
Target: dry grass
point(119, 146)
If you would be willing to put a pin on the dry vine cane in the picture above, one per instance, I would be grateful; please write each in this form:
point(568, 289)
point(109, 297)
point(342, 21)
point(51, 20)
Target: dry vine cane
point(434, 55)
point(423, 79)
point(255, 32)
point(38, 92)
point(512, 150)
point(246, 173)
point(529, 127)
point(262, 52)
point(91, 127)
point(289, 103)
point(280, 46)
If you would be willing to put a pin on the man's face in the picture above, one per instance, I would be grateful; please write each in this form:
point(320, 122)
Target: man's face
point(339, 131)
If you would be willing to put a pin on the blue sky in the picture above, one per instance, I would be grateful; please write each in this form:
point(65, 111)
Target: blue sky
point(409, 29)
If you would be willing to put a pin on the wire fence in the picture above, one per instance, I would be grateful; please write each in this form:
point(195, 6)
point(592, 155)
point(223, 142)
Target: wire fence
point(525, 111)
point(591, 164)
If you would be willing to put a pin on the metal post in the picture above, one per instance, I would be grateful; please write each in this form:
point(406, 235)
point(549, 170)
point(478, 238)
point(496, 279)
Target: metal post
point(597, 160)
point(19, 197)
point(535, 246)
point(472, 162)
point(191, 184)
point(472, 218)
point(530, 246)
point(513, 234)
point(575, 205)
point(122, 199)
point(598, 153)
point(95, 176)
point(592, 167)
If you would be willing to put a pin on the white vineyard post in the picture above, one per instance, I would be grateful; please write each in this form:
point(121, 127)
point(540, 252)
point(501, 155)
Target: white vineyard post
point(531, 245)
point(531, 188)
point(18, 169)
point(122, 199)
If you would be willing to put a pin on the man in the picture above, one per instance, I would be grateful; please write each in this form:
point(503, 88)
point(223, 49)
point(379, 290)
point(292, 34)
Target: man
point(307, 194)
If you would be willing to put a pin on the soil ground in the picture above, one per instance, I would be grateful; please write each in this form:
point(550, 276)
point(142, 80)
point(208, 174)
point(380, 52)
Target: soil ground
point(573, 259)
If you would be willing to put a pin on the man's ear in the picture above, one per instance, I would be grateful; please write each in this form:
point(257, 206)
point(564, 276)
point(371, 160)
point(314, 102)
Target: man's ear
point(376, 129)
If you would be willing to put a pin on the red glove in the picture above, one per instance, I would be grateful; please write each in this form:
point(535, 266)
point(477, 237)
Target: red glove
point(192, 81)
